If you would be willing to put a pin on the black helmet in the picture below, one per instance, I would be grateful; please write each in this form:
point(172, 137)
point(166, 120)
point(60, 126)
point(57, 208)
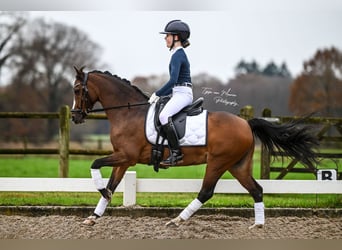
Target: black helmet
point(177, 27)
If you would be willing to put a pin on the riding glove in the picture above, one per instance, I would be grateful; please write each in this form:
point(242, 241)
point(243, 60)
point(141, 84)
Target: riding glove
point(154, 98)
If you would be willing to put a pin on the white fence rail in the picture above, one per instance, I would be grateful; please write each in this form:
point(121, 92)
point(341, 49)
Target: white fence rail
point(131, 185)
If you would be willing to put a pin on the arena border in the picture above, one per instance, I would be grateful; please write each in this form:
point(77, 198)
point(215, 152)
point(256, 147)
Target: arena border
point(137, 211)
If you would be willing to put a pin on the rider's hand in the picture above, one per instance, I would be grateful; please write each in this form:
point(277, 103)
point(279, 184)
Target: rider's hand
point(154, 98)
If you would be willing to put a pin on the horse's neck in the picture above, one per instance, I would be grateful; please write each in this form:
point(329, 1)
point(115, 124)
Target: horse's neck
point(119, 94)
point(118, 97)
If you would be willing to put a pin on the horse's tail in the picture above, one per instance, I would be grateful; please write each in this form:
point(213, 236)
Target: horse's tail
point(294, 140)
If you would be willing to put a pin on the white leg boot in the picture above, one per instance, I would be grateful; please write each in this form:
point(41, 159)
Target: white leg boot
point(259, 213)
point(186, 213)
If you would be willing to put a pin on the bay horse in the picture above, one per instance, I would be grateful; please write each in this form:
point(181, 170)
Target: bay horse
point(230, 142)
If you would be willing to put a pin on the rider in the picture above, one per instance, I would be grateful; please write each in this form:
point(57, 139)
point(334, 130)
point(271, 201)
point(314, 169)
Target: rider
point(179, 86)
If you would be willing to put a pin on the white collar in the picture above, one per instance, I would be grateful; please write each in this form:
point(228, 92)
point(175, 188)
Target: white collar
point(175, 49)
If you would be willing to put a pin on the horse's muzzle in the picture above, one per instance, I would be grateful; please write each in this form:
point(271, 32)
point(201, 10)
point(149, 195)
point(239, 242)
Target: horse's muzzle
point(78, 116)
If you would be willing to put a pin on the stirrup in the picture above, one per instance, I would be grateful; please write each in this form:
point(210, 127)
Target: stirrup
point(173, 159)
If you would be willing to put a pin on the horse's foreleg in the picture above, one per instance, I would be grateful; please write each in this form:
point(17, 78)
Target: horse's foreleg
point(113, 160)
point(103, 202)
point(106, 192)
point(114, 180)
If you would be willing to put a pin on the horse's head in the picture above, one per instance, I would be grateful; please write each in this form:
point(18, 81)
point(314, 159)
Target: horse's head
point(82, 100)
point(103, 86)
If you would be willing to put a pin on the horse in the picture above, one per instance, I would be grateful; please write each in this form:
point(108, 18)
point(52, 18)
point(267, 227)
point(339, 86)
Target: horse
point(230, 142)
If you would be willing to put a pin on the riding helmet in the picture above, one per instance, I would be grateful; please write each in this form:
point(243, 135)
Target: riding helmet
point(177, 27)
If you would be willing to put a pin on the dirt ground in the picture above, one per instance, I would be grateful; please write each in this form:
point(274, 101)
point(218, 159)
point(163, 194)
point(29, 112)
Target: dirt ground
point(198, 227)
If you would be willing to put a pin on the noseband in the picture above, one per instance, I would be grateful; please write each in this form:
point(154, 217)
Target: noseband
point(84, 110)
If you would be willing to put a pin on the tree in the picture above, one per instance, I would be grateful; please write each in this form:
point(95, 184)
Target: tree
point(247, 68)
point(241, 68)
point(10, 25)
point(271, 69)
point(43, 67)
point(319, 87)
point(284, 72)
point(47, 57)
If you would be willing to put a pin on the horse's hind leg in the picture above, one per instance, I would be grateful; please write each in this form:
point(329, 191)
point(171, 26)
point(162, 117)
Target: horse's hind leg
point(256, 192)
point(243, 173)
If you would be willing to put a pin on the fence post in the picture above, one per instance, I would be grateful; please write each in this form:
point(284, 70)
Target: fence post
point(64, 136)
point(247, 112)
point(130, 188)
point(265, 155)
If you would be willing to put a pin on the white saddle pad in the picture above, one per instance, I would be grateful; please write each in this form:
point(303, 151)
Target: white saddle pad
point(195, 131)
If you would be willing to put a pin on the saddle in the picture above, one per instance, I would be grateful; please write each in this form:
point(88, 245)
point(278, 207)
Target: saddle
point(179, 122)
point(179, 119)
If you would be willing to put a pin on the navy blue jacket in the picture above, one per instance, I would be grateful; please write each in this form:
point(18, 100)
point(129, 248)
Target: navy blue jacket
point(179, 70)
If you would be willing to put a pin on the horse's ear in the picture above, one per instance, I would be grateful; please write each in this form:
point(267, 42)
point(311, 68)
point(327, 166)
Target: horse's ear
point(79, 72)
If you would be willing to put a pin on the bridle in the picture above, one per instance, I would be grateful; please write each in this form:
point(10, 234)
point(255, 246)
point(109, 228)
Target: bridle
point(86, 104)
point(85, 109)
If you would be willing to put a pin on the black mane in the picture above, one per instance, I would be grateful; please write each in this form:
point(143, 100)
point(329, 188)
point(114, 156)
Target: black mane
point(122, 80)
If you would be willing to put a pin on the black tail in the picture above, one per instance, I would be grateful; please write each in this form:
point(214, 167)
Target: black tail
point(296, 141)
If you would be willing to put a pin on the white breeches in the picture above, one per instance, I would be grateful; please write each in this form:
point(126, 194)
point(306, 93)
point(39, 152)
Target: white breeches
point(181, 97)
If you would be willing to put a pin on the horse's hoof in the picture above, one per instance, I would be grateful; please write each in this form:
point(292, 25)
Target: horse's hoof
point(90, 221)
point(256, 226)
point(174, 222)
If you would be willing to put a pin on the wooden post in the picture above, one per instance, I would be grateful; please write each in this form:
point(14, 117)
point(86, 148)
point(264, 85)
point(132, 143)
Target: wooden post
point(64, 136)
point(247, 112)
point(265, 155)
point(99, 144)
point(265, 163)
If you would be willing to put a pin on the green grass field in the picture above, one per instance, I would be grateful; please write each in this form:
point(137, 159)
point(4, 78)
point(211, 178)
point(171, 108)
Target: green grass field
point(42, 166)
point(79, 167)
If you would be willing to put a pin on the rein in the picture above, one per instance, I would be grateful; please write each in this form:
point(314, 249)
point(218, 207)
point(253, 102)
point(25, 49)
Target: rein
point(119, 107)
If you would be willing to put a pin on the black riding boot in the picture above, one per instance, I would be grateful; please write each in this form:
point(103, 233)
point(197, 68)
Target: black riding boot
point(176, 155)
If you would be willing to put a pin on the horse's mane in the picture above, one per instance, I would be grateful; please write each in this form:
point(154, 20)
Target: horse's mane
point(124, 80)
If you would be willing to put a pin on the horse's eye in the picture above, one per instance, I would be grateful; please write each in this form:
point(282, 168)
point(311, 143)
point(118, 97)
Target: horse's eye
point(76, 91)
